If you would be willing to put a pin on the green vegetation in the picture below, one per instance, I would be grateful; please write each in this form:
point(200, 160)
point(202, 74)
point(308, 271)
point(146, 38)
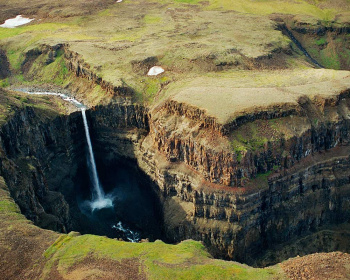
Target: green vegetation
point(151, 19)
point(8, 208)
point(23, 99)
point(188, 44)
point(265, 7)
point(250, 137)
point(188, 1)
point(321, 41)
point(239, 149)
point(330, 58)
point(4, 83)
point(263, 176)
point(15, 57)
point(55, 72)
point(152, 88)
point(46, 107)
point(40, 30)
point(161, 261)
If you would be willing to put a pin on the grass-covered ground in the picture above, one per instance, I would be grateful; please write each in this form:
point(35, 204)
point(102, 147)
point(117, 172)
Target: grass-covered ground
point(188, 38)
point(213, 53)
point(242, 92)
point(28, 252)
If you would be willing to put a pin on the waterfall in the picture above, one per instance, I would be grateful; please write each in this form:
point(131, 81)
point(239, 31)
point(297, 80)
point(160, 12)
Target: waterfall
point(99, 200)
point(96, 182)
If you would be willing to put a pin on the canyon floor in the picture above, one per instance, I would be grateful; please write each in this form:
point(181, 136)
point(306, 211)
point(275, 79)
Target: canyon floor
point(244, 138)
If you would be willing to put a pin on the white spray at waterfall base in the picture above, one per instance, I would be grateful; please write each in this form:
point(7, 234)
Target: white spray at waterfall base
point(99, 199)
point(130, 235)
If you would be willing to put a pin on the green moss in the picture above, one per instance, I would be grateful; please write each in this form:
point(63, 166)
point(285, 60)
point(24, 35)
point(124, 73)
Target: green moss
point(150, 19)
point(188, 1)
point(15, 57)
point(187, 260)
point(264, 176)
point(330, 59)
point(40, 72)
point(4, 83)
point(7, 206)
point(152, 87)
point(23, 99)
point(105, 13)
point(265, 7)
point(320, 42)
point(250, 137)
point(42, 29)
point(238, 149)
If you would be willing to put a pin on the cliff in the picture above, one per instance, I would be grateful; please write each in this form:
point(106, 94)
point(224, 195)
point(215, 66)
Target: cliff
point(39, 148)
point(243, 204)
point(288, 181)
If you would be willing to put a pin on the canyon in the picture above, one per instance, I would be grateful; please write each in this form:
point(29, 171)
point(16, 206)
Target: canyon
point(287, 197)
point(242, 148)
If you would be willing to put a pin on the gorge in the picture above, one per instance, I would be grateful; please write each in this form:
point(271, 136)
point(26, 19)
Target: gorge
point(168, 203)
point(232, 162)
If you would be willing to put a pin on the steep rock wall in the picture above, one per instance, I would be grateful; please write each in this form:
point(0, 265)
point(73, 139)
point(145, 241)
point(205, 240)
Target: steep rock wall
point(244, 223)
point(80, 68)
point(183, 139)
point(4, 65)
point(309, 193)
point(38, 157)
point(209, 192)
point(42, 153)
point(242, 208)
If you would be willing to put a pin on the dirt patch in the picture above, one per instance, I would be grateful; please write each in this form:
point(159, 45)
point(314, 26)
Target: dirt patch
point(107, 269)
point(321, 266)
point(21, 243)
point(40, 8)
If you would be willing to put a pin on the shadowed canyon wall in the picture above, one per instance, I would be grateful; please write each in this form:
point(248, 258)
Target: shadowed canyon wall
point(285, 196)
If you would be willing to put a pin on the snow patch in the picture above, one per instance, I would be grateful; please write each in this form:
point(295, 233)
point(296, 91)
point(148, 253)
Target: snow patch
point(155, 70)
point(17, 21)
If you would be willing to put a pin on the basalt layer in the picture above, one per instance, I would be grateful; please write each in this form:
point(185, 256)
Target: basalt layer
point(306, 191)
point(43, 159)
point(252, 163)
point(39, 154)
point(243, 203)
point(245, 187)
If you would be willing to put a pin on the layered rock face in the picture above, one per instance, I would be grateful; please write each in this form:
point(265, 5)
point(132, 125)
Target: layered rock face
point(39, 156)
point(4, 65)
point(180, 137)
point(235, 204)
point(43, 160)
point(243, 204)
point(289, 181)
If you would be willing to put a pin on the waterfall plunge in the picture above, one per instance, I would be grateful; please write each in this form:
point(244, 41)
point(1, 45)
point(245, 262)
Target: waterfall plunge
point(99, 200)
